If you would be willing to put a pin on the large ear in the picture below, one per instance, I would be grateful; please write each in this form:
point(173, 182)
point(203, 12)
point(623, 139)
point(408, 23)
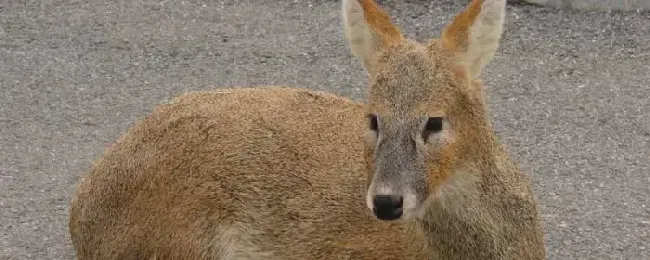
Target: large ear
point(368, 30)
point(475, 33)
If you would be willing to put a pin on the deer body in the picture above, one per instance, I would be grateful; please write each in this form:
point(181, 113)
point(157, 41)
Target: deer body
point(221, 194)
point(287, 173)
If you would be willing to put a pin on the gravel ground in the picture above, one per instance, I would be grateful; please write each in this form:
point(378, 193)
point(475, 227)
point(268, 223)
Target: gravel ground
point(568, 90)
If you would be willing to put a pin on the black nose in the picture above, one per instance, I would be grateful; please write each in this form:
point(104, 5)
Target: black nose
point(387, 207)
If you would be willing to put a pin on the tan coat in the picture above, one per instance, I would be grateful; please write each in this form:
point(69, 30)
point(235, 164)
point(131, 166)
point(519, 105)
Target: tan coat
point(286, 173)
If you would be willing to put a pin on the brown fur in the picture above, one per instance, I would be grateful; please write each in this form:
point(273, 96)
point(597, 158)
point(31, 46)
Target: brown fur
point(380, 21)
point(282, 173)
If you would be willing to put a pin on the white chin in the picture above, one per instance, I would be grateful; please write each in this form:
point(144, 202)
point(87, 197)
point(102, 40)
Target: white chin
point(410, 214)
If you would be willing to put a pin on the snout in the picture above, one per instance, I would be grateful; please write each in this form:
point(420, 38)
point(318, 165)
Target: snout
point(390, 204)
point(388, 207)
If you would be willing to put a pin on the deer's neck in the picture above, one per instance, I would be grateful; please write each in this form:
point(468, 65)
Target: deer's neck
point(465, 220)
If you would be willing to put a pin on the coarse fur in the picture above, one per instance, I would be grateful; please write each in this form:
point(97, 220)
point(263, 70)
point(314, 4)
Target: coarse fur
point(289, 173)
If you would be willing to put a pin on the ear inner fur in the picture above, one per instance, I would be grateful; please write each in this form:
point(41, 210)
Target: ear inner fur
point(379, 22)
point(456, 36)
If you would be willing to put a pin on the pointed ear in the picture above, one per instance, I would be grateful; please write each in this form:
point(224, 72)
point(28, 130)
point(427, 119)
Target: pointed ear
point(368, 30)
point(474, 34)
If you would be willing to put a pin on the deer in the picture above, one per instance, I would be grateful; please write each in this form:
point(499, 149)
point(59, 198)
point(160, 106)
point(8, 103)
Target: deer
point(280, 172)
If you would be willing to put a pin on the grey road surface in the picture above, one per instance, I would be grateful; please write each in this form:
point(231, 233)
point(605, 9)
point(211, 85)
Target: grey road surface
point(569, 94)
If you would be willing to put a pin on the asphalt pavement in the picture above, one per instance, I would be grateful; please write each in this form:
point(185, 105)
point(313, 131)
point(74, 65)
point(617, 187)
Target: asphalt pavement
point(569, 94)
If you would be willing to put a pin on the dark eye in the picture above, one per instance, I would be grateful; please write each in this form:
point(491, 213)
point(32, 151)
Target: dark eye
point(434, 124)
point(374, 125)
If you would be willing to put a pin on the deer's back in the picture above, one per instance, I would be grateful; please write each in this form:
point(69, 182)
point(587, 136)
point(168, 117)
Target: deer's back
point(243, 174)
